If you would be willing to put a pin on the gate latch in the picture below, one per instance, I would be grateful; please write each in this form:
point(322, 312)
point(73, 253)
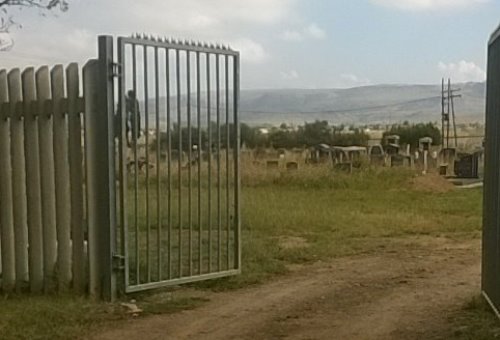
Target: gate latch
point(116, 70)
point(118, 262)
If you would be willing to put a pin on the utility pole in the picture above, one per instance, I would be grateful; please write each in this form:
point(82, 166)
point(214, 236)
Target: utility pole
point(448, 108)
point(443, 115)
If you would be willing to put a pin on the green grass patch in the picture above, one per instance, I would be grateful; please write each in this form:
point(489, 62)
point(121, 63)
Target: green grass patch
point(342, 215)
point(53, 317)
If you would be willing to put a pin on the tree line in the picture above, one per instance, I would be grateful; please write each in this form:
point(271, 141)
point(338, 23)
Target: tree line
point(290, 137)
point(282, 137)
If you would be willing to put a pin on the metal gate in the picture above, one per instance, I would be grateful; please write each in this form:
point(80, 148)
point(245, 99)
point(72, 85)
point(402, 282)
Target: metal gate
point(179, 187)
point(491, 214)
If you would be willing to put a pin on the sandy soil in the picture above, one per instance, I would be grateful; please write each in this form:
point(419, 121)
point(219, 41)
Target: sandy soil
point(403, 292)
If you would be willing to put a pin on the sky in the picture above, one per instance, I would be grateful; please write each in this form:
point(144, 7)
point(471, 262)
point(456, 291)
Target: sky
point(283, 43)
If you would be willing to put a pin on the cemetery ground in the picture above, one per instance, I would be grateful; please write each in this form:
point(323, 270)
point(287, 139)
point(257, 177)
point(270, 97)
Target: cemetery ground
point(379, 254)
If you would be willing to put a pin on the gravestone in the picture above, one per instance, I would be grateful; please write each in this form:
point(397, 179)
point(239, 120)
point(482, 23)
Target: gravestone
point(272, 165)
point(292, 166)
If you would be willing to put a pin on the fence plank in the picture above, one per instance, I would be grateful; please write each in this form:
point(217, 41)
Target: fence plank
point(32, 182)
point(47, 179)
point(18, 179)
point(61, 167)
point(90, 93)
point(76, 177)
point(6, 209)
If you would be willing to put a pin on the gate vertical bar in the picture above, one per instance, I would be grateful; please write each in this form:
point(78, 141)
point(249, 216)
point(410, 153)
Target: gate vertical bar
point(33, 182)
point(158, 173)
point(179, 180)
point(6, 209)
point(18, 178)
point(219, 222)
point(237, 186)
point(190, 161)
point(198, 119)
point(169, 164)
point(122, 145)
point(228, 147)
point(146, 128)
point(209, 147)
point(135, 137)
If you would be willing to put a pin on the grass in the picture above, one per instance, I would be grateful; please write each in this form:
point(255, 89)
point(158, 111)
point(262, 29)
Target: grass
point(342, 215)
point(62, 317)
point(288, 218)
point(52, 317)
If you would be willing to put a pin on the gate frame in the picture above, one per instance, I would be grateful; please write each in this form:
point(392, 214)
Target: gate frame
point(119, 72)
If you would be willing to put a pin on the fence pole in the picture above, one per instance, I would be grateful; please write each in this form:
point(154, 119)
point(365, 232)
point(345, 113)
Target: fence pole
point(35, 236)
point(6, 215)
point(100, 155)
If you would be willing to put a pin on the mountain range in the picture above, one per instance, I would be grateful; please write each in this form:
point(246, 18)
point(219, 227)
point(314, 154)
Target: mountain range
point(360, 105)
point(377, 104)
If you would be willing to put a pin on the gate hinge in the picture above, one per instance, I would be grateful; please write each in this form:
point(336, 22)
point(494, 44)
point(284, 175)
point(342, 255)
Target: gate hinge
point(116, 70)
point(118, 262)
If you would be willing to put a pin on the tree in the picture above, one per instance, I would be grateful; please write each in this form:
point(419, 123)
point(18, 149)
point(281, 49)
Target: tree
point(410, 134)
point(316, 133)
point(7, 20)
point(357, 137)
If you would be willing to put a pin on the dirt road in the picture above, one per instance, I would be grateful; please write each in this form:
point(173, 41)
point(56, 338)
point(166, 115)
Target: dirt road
point(403, 292)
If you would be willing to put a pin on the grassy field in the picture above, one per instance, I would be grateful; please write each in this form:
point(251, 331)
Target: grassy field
point(288, 219)
point(296, 218)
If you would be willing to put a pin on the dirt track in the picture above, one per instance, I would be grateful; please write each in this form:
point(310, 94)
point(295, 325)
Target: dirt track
point(406, 292)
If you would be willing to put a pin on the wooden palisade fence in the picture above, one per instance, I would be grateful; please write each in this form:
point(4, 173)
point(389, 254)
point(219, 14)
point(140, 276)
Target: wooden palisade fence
point(41, 180)
point(56, 142)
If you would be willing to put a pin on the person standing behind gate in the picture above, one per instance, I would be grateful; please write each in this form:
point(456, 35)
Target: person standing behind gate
point(133, 116)
point(133, 119)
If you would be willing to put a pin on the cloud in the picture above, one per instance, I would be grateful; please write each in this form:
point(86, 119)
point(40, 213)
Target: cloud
point(251, 51)
point(463, 71)
point(292, 36)
point(428, 5)
point(200, 21)
point(313, 31)
point(290, 75)
point(72, 36)
point(352, 80)
point(214, 15)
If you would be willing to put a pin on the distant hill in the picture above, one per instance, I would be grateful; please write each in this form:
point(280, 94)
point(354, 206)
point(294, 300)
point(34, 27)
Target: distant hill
point(360, 105)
